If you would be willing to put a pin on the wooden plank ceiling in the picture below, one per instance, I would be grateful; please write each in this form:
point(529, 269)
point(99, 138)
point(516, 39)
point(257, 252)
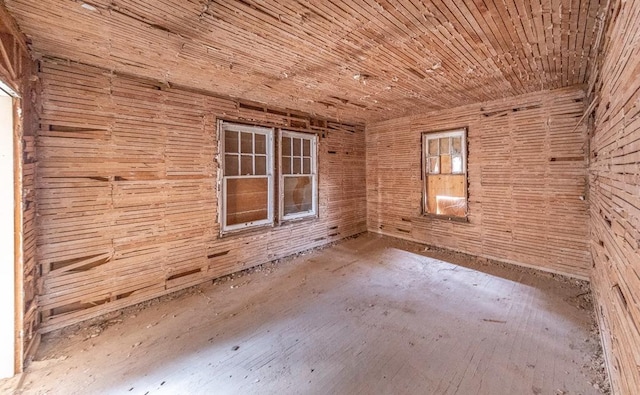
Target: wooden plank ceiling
point(357, 60)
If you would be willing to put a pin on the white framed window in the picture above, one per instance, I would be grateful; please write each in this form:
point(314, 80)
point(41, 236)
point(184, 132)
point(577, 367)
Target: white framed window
point(246, 158)
point(298, 175)
point(445, 173)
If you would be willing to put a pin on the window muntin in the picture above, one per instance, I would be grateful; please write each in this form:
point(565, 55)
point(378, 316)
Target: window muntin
point(247, 176)
point(298, 175)
point(445, 173)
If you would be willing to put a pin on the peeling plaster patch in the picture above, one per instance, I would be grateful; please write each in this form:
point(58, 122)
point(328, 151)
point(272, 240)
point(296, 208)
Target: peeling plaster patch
point(88, 7)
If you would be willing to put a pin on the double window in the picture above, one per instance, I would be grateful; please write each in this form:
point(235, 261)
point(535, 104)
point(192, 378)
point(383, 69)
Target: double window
point(249, 170)
point(445, 173)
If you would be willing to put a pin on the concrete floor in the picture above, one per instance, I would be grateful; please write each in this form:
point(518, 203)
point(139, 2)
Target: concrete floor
point(371, 315)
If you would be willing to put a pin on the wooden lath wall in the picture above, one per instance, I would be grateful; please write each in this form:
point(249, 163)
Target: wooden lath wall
point(127, 191)
point(615, 196)
point(527, 175)
point(16, 70)
point(409, 55)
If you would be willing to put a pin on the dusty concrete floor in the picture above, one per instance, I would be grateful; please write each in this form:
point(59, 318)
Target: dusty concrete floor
point(369, 315)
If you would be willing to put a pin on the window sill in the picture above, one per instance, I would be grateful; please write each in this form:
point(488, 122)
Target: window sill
point(292, 221)
point(261, 229)
point(446, 217)
point(248, 231)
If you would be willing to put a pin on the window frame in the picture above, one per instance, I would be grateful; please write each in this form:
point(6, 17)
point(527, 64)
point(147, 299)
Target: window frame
point(223, 127)
point(435, 135)
point(313, 138)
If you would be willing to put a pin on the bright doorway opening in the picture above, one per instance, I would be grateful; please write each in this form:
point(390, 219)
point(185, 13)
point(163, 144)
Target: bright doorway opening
point(7, 253)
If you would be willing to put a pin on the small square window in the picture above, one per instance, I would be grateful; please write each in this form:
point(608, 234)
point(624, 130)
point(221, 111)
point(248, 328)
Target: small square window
point(286, 146)
point(433, 147)
point(246, 165)
point(231, 142)
point(456, 145)
point(261, 144)
point(261, 165)
point(444, 145)
point(297, 147)
point(434, 165)
point(297, 165)
point(246, 143)
point(456, 164)
point(231, 166)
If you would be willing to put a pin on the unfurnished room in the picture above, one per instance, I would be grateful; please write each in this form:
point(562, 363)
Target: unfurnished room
point(320, 197)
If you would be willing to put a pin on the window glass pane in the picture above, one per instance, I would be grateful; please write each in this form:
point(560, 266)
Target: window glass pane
point(298, 194)
point(297, 147)
point(286, 146)
point(247, 200)
point(456, 145)
point(286, 165)
point(231, 165)
point(297, 166)
point(246, 165)
point(261, 143)
point(306, 147)
point(434, 165)
point(433, 147)
point(444, 145)
point(306, 165)
point(261, 165)
point(456, 164)
point(445, 164)
point(246, 142)
point(230, 141)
